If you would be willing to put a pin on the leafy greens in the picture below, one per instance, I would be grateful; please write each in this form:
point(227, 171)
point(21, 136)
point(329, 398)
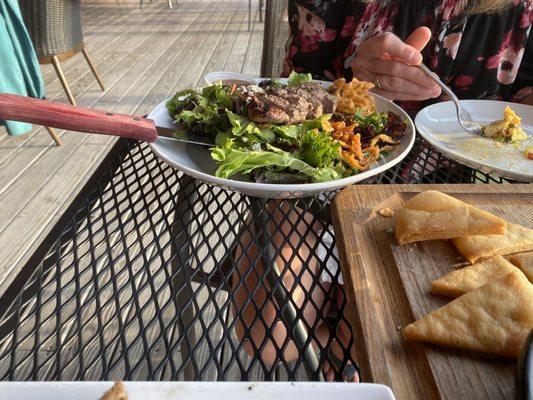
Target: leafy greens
point(296, 79)
point(205, 109)
point(274, 153)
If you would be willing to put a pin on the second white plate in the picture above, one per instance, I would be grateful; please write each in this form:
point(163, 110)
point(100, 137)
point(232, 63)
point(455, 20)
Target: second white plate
point(196, 390)
point(438, 124)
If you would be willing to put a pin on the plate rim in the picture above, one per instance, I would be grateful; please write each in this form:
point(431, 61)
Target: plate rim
point(377, 390)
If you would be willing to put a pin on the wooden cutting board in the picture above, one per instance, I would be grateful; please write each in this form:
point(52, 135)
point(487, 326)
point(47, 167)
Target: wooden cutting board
point(388, 288)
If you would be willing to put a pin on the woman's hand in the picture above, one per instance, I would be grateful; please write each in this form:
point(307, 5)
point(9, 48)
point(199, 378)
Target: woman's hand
point(392, 65)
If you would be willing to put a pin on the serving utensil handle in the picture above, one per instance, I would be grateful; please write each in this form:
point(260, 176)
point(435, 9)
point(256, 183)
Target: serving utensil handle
point(65, 116)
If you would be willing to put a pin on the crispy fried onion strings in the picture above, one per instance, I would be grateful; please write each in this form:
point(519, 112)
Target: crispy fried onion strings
point(352, 96)
point(351, 151)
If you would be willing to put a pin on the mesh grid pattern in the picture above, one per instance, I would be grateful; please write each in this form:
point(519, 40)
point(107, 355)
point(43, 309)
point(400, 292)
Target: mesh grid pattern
point(157, 276)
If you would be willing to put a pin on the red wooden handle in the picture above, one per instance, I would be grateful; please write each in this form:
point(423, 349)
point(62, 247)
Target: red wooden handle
point(66, 116)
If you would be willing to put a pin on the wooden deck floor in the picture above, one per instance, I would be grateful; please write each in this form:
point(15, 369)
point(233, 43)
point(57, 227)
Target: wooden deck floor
point(143, 56)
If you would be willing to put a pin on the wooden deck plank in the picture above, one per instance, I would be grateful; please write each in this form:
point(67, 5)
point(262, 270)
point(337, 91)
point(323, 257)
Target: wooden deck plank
point(101, 30)
point(237, 54)
point(252, 61)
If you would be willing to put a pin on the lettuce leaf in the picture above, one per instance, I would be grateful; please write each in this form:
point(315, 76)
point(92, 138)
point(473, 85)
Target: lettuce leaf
point(329, 173)
point(233, 161)
point(318, 149)
point(377, 120)
point(321, 123)
point(201, 112)
point(296, 79)
point(285, 177)
point(218, 94)
point(247, 131)
point(181, 100)
point(291, 133)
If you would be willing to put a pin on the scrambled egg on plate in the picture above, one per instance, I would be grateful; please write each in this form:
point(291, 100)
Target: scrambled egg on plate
point(507, 130)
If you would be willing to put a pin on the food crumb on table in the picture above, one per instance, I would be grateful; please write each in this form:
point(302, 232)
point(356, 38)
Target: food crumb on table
point(386, 212)
point(117, 392)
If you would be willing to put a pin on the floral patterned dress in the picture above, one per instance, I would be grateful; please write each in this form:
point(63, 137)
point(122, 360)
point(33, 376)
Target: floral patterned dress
point(487, 56)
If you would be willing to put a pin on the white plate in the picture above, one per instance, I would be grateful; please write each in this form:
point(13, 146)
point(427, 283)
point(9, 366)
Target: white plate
point(213, 77)
point(439, 126)
point(196, 160)
point(196, 391)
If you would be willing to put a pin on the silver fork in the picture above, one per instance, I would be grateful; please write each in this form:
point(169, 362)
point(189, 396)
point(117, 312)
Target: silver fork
point(464, 117)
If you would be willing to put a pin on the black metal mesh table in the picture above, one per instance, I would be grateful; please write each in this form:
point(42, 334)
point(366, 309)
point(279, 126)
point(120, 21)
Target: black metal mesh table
point(140, 277)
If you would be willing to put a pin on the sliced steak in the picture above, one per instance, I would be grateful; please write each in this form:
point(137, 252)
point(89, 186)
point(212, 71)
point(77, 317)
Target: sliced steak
point(270, 108)
point(320, 98)
point(290, 105)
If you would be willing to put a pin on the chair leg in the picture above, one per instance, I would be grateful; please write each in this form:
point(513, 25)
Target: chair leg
point(53, 133)
point(63, 80)
point(93, 68)
point(170, 4)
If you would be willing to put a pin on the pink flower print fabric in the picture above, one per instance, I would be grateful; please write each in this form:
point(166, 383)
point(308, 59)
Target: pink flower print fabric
point(480, 56)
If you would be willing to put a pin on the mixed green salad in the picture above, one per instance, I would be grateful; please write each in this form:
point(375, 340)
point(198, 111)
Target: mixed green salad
point(268, 151)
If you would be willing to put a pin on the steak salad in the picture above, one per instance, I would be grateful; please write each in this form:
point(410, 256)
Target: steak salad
point(296, 132)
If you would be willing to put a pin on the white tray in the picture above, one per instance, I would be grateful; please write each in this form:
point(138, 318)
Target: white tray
point(196, 391)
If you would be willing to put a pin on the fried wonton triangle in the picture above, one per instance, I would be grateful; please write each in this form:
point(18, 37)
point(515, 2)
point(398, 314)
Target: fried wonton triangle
point(435, 215)
point(474, 248)
point(495, 318)
point(525, 263)
point(464, 280)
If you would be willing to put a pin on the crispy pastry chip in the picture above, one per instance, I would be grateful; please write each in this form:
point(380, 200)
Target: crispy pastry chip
point(117, 392)
point(495, 318)
point(435, 215)
point(525, 263)
point(464, 280)
point(474, 248)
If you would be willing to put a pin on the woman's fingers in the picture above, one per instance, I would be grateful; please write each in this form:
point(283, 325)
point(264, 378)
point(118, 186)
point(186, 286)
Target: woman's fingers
point(396, 69)
point(402, 96)
point(393, 63)
point(395, 83)
point(397, 88)
point(419, 38)
point(389, 46)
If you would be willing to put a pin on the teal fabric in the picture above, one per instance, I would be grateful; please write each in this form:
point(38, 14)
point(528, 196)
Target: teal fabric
point(19, 68)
